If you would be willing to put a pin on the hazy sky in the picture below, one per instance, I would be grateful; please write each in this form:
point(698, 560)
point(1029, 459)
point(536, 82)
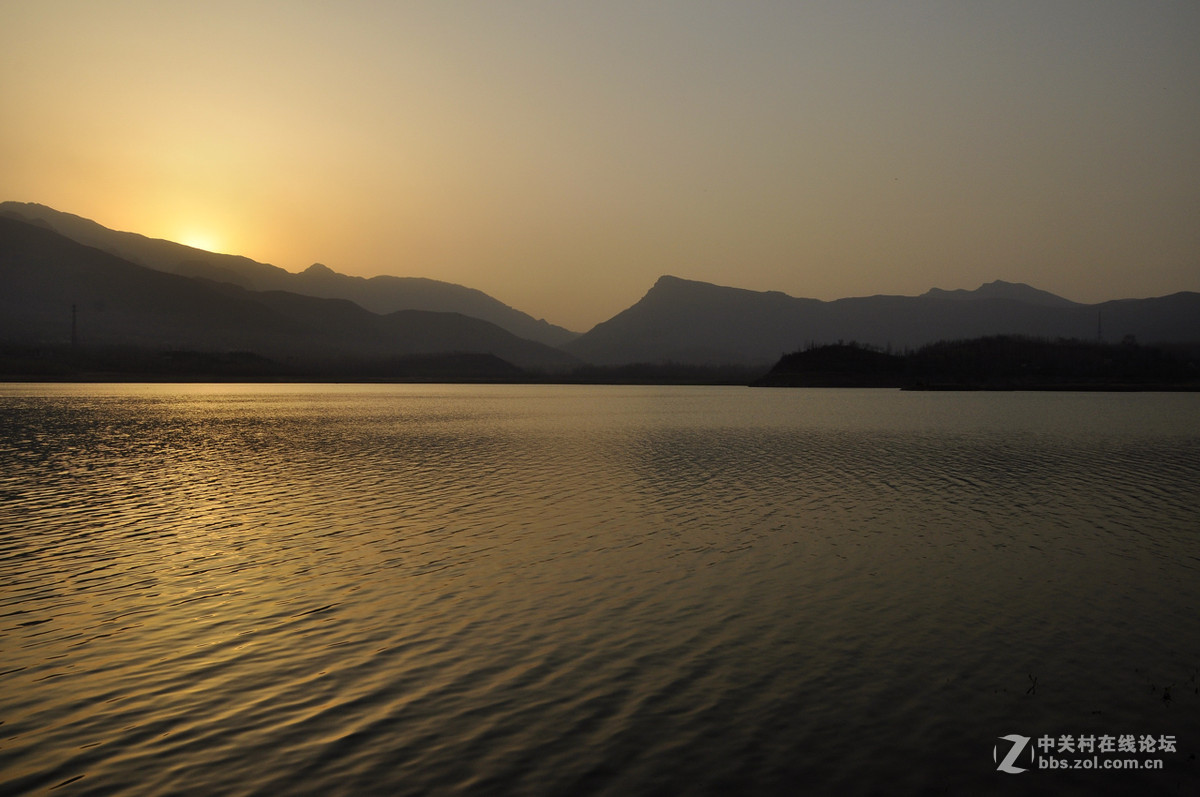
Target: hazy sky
point(562, 155)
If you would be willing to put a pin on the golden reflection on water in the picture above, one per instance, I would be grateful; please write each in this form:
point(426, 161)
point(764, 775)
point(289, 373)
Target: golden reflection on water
point(582, 590)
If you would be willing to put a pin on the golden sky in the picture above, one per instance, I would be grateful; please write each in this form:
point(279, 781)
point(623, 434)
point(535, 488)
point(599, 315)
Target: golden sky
point(560, 156)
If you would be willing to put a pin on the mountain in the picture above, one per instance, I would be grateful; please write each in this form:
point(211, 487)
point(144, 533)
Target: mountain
point(684, 321)
point(999, 289)
point(55, 288)
point(377, 294)
point(386, 294)
point(320, 312)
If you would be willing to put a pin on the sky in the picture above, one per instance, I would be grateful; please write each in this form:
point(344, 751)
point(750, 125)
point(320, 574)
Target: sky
point(560, 156)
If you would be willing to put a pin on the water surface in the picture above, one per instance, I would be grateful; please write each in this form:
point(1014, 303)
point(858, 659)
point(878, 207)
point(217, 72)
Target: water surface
point(589, 590)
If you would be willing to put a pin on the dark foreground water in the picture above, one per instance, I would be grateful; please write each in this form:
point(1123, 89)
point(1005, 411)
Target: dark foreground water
point(595, 590)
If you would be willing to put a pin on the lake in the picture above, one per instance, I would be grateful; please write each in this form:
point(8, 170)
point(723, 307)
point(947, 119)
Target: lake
point(544, 590)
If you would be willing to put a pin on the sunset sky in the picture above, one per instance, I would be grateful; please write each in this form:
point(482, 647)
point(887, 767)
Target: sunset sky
point(560, 156)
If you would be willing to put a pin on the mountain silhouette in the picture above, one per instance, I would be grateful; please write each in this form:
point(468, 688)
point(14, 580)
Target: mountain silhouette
point(56, 289)
point(999, 289)
point(685, 321)
point(214, 302)
point(378, 294)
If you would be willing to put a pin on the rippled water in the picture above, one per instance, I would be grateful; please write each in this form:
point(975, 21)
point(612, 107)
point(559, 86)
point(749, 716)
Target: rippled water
point(589, 590)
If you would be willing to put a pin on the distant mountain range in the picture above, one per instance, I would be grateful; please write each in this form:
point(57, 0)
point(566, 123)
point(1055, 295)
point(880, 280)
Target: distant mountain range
point(999, 289)
point(695, 322)
point(56, 290)
point(377, 294)
point(135, 291)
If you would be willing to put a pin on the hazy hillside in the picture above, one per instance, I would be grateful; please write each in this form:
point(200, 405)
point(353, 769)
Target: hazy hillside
point(695, 322)
point(678, 321)
point(378, 294)
point(44, 274)
point(999, 289)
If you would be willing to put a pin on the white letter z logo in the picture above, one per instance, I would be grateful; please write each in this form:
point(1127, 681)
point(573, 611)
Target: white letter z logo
point(1018, 744)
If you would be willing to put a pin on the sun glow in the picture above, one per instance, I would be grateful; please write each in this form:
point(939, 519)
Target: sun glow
point(199, 240)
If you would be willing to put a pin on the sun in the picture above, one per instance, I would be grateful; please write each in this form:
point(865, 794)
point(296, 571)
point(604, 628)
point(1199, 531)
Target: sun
point(198, 239)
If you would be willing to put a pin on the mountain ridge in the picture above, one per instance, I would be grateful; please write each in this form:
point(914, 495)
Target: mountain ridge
point(59, 291)
point(679, 321)
point(688, 321)
point(1000, 289)
point(383, 294)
